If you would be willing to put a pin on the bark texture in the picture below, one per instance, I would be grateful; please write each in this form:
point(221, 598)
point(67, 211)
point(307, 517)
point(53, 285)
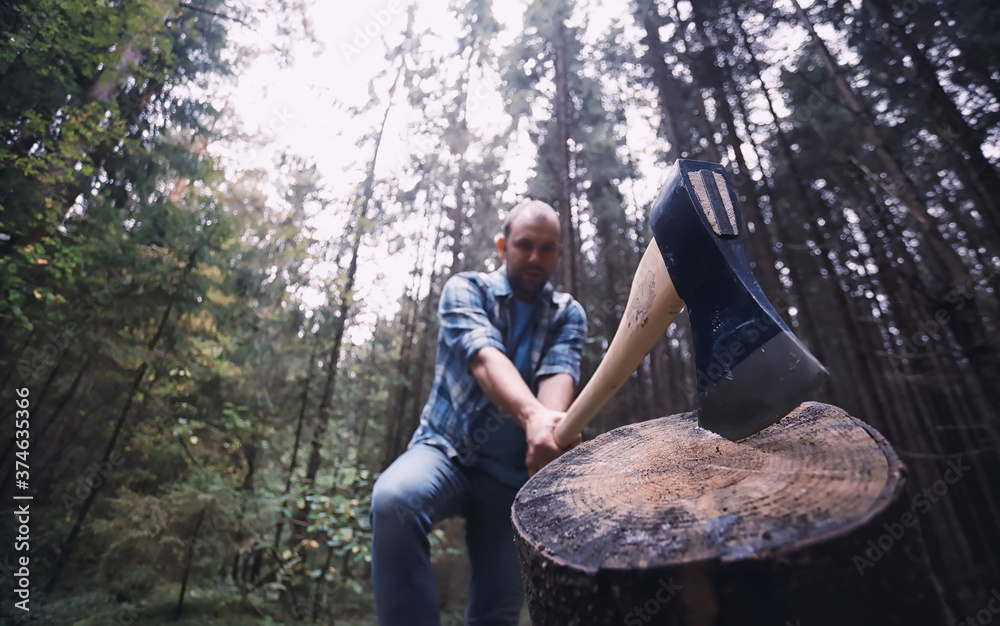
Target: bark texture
point(665, 523)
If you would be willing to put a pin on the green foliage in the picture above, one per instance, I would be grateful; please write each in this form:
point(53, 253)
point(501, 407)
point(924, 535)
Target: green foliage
point(148, 539)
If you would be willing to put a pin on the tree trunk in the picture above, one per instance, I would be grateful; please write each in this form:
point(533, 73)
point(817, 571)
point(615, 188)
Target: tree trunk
point(902, 187)
point(398, 424)
point(980, 176)
point(14, 360)
point(425, 333)
point(187, 563)
point(65, 399)
point(563, 122)
point(395, 417)
point(426, 343)
point(961, 314)
point(67, 546)
point(293, 464)
point(703, 146)
point(41, 435)
point(707, 73)
point(648, 14)
point(301, 516)
point(458, 217)
point(663, 522)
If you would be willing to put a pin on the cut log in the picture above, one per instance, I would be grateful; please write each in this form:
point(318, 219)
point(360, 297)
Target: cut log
point(663, 522)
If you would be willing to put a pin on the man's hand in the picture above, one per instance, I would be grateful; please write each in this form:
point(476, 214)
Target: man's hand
point(540, 426)
point(503, 385)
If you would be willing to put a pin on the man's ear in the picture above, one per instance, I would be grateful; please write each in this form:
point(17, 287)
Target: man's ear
point(501, 247)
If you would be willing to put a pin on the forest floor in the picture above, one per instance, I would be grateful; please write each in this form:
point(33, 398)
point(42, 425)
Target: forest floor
point(213, 608)
point(82, 603)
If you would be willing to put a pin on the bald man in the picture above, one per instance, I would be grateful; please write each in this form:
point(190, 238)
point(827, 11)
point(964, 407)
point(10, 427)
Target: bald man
point(508, 361)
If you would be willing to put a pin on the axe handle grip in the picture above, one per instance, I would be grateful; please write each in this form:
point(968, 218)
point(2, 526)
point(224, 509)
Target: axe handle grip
point(652, 306)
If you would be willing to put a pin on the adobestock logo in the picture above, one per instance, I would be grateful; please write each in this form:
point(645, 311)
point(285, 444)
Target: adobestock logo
point(372, 29)
point(984, 616)
point(920, 504)
point(956, 299)
point(643, 614)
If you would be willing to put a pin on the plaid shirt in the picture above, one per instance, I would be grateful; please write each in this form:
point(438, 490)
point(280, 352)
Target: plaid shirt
point(474, 312)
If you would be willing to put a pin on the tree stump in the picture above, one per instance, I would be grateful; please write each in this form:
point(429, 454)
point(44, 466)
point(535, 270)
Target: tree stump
point(662, 522)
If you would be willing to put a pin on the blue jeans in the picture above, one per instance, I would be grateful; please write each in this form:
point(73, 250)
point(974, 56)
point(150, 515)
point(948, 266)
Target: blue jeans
point(420, 488)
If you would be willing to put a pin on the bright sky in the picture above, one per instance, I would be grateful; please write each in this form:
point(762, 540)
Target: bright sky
point(303, 110)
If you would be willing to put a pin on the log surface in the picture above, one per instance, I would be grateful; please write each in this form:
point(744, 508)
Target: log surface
point(664, 522)
point(665, 491)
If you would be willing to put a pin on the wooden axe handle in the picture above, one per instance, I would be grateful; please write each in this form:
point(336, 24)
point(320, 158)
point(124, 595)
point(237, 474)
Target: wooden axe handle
point(652, 306)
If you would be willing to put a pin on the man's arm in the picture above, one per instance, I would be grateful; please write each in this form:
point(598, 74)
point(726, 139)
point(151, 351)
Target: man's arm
point(503, 385)
point(556, 391)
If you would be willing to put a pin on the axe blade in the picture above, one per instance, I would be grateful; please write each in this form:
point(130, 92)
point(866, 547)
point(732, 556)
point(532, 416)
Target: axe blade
point(751, 369)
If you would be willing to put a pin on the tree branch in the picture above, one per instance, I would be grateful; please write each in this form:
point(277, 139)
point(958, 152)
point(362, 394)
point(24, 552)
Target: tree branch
point(215, 13)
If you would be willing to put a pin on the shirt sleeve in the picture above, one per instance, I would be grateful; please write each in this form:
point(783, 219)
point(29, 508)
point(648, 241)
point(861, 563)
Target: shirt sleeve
point(465, 324)
point(563, 357)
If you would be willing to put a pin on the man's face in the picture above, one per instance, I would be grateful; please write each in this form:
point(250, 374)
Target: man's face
point(531, 253)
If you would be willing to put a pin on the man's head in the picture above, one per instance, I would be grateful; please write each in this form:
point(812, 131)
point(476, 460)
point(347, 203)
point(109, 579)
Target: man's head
point(529, 246)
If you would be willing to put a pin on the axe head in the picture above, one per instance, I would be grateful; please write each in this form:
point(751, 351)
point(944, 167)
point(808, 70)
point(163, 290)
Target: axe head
point(751, 369)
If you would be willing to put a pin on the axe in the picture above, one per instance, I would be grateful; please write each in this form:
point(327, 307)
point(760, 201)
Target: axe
point(752, 370)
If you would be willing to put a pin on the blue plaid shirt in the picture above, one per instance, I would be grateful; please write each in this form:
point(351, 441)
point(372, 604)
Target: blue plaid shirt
point(474, 312)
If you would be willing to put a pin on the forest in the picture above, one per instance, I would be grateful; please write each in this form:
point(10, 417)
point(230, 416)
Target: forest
point(215, 357)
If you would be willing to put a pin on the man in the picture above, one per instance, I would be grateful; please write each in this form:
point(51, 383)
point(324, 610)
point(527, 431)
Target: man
point(508, 360)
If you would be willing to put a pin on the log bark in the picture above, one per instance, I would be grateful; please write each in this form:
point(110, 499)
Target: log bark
point(662, 522)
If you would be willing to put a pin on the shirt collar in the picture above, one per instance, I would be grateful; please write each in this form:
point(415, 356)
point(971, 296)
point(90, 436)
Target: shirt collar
point(500, 285)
